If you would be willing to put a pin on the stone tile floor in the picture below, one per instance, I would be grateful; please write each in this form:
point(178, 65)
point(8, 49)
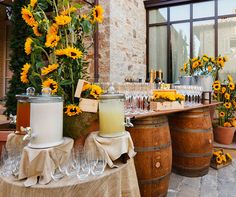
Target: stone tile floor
point(217, 183)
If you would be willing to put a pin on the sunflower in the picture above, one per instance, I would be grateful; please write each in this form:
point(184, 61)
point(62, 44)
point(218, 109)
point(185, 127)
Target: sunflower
point(24, 73)
point(36, 31)
point(97, 14)
point(209, 68)
point(28, 17)
point(32, 3)
point(227, 105)
point(227, 96)
point(205, 58)
point(225, 58)
point(230, 78)
point(62, 20)
point(216, 86)
point(223, 90)
point(222, 114)
point(231, 86)
point(28, 45)
point(68, 11)
point(49, 68)
point(73, 52)
point(96, 91)
point(50, 83)
point(227, 124)
point(53, 29)
point(233, 123)
point(60, 52)
point(185, 67)
point(72, 110)
point(52, 40)
point(86, 87)
point(217, 82)
point(212, 59)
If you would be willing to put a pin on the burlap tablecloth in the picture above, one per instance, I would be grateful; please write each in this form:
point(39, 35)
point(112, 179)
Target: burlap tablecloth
point(112, 147)
point(39, 163)
point(116, 182)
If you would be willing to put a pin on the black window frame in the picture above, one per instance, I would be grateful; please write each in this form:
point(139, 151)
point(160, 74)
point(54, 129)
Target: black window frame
point(156, 4)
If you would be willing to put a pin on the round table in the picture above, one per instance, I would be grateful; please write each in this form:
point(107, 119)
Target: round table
point(116, 182)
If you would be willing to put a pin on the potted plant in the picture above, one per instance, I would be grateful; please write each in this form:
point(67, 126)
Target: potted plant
point(224, 128)
point(202, 70)
point(58, 51)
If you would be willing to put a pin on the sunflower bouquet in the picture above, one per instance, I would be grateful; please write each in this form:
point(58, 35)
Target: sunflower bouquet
point(167, 96)
point(225, 92)
point(58, 48)
point(204, 65)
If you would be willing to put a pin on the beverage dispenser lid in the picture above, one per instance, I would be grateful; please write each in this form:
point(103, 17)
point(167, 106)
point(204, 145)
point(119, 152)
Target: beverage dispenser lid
point(111, 94)
point(45, 97)
point(30, 91)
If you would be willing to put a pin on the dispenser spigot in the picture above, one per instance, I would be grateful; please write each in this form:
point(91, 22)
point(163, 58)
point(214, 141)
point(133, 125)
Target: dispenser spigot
point(128, 122)
point(28, 131)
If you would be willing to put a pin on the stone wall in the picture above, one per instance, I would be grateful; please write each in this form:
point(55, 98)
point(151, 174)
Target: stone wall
point(122, 38)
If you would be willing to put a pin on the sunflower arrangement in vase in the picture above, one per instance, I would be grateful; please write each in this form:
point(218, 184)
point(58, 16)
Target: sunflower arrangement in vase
point(225, 92)
point(204, 65)
point(58, 49)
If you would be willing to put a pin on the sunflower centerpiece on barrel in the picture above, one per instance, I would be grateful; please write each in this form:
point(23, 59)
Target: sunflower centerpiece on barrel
point(58, 49)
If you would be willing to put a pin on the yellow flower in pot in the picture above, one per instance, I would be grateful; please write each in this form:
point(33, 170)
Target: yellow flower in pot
point(225, 127)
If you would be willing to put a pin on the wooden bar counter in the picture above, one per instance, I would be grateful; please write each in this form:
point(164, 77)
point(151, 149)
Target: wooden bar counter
point(188, 132)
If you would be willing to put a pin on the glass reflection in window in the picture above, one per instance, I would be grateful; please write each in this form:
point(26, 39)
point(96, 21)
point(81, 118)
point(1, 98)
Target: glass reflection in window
point(158, 16)
point(178, 13)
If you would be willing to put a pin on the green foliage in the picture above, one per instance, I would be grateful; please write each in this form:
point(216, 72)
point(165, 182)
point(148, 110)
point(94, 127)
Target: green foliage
point(20, 32)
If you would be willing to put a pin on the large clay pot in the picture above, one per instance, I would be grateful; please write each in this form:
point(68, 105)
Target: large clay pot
point(224, 135)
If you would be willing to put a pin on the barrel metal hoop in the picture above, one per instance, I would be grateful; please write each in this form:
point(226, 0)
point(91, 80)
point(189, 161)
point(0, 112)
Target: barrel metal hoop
point(152, 148)
point(154, 180)
point(153, 124)
point(191, 130)
point(190, 168)
point(191, 155)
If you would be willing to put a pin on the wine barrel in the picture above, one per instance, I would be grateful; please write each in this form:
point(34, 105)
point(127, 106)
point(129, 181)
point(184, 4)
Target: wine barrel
point(192, 137)
point(152, 142)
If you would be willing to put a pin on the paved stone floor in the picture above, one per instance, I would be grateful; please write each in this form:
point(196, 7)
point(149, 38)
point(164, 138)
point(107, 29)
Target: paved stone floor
point(217, 183)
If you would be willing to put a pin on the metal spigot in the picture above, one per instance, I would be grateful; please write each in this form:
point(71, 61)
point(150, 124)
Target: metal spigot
point(128, 122)
point(28, 130)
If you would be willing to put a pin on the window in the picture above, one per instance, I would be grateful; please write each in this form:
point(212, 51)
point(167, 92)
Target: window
point(184, 29)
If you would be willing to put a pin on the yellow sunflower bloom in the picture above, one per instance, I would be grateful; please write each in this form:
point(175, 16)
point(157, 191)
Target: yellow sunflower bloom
point(28, 17)
point(97, 14)
point(231, 86)
point(72, 110)
point(32, 3)
point(60, 52)
point(50, 83)
point(185, 67)
point(24, 73)
point(225, 58)
point(209, 68)
point(227, 96)
point(52, 40)
point(205, 58)
point(28, 45)
point(86, 87)
point(233, 123)
point(216, 82)
point(49, 68)
point(216, 87)
point(53, 29)
point(227, 105)
point(227, 124)
point(36, 31)
point(218, 160)
point(212, 59)
point(68, 11)
point(96, 91)
point(62, 20)
point(230, 78)
point(223, 90)
point(222, 114)
point(194, 59)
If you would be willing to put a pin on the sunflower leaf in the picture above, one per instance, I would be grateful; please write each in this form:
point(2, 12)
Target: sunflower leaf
point(65, 82)
point(78, 6)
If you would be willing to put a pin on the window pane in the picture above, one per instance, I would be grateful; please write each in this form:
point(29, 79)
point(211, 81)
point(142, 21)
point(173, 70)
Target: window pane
point(227, 45)
point(226, 7)
point(180, 39)
point(158, 16)
point(179, 12)
point(205, 9)
point(158, 49)
point(203, 38)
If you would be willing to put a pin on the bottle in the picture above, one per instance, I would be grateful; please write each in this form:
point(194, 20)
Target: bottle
point(151, 76)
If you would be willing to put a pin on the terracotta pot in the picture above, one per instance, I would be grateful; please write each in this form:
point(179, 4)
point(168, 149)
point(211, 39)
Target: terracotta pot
point(224, 135)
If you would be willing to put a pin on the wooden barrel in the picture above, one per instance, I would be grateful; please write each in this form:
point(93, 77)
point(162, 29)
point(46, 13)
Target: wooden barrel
point(151, 137)
point(192, 137)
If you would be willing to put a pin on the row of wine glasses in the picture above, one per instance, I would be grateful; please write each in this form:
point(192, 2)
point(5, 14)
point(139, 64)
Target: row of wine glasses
point(193, 94)
point(81, 163)
point(10, 161)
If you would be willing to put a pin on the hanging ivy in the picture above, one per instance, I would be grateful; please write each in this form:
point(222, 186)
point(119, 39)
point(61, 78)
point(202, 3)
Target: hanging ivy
point(19, 32)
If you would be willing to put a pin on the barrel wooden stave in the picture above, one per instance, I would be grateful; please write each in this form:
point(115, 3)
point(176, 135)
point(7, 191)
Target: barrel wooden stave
point(192, 137)
point(153, 161)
